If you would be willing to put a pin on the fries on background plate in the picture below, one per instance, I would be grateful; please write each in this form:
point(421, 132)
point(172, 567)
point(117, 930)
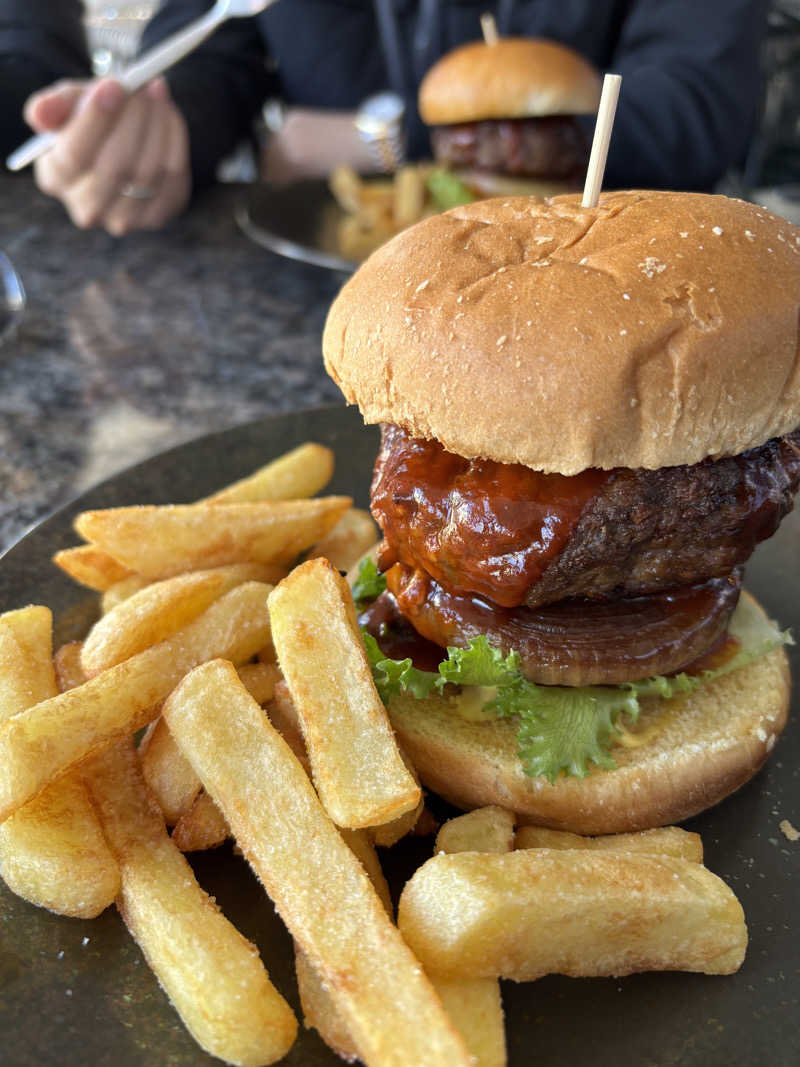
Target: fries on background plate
point(375, 209)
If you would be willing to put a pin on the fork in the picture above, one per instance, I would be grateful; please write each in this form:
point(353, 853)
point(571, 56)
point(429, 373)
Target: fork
point(152, 63)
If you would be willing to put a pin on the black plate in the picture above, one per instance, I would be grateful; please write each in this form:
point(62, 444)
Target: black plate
point(78, 993)
point(299, 221)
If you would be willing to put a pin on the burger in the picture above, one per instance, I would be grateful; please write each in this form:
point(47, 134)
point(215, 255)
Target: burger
point(503, 117)
point(589, 419)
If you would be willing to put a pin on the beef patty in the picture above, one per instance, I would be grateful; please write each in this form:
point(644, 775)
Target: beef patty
point(517, 536)
point(552, 147)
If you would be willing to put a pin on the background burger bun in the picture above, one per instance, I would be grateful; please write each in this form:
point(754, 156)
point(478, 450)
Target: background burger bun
point(515, 78)
point(653, 330)
point(695, 750)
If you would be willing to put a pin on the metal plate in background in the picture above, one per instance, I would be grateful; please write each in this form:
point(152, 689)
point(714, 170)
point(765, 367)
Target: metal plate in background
point(74, 993)
point(12, 299)
point(299, 221)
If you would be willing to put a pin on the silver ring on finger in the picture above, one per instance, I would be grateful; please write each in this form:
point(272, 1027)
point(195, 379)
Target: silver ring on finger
point(137, 192)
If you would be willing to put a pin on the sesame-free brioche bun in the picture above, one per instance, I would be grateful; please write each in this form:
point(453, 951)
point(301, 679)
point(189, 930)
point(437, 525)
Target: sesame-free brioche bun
point(652, 330)
point(695, 750)
point(516, 77)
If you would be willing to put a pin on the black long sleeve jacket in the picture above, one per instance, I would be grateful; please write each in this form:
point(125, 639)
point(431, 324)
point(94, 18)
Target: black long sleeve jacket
point(40, 42)
point(691, 82)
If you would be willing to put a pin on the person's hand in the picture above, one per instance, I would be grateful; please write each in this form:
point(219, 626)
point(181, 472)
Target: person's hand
point(121, 161)
point(310, 143)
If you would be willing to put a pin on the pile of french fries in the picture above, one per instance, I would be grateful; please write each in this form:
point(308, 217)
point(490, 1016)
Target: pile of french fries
point(375, 209)
point(262, 723)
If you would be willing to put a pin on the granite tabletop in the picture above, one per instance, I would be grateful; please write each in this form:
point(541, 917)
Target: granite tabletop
point(129, 346)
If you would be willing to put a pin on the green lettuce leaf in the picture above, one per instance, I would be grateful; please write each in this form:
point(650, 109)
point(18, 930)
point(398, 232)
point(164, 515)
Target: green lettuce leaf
point(447, 190)
point(369, 583)
point(480, 664)
point(560, 728)
point(395, 676)
point(563, 729)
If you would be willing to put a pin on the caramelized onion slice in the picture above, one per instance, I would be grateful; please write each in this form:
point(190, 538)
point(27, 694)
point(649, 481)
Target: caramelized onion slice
point(577, 642)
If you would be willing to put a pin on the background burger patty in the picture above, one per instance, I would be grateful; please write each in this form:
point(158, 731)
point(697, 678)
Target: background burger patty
point(475, 526)
point(552, 147)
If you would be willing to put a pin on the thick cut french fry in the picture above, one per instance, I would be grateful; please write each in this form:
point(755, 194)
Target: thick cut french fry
point(283, 716)
point(316, 883)
point(67, 664)
point(409, 196)
point(52, 851)
point(377, 203)
point(581, 913)
point(91, 566)
point(357, 768)
point(374, 210)
point(167, 771)
point(359, 843)
point(169, 775)
point(119, 591)
point(300, 473)
point(160, 610)
point(15, 687)
point(38, 745)
point(319, 1007)
point(212, 975)
point(476, 1008)
point(26, 663)
point(663, 841)
point(282, 710)
point(33, 628)
point(148, 617)
point(391, 832)
point(359, 235)
point(159, 542)
point(426, 825)
point(353, 535)
point(489, 829)
point(202, 827)
point(260, 679)
point(475, 1004)
point(347, 188)
point(267, 653)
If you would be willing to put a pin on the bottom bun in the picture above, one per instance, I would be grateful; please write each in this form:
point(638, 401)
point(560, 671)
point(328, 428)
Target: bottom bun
point(690, 752)
point(491, 183)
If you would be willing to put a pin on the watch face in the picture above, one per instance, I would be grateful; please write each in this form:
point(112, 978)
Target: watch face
point(380, 114)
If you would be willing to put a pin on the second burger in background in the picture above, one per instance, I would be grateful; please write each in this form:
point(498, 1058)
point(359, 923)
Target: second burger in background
point(503, 118)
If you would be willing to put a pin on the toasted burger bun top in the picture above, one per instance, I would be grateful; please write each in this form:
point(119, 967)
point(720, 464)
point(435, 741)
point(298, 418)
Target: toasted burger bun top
point(653, 330)
point(515, 78)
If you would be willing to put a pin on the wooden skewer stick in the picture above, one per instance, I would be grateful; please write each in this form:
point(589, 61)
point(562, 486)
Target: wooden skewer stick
point(489, 27)
point(601, 140)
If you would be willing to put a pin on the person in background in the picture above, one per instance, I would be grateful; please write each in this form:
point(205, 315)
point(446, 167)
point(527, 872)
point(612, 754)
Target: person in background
point(40, 41)
point(689, 103)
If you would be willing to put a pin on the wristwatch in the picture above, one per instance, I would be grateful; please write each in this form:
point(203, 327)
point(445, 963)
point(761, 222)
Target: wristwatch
point(274, 114)
point(380, 122)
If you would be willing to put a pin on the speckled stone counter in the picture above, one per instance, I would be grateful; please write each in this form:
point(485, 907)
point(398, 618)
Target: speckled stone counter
point(130, 346)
